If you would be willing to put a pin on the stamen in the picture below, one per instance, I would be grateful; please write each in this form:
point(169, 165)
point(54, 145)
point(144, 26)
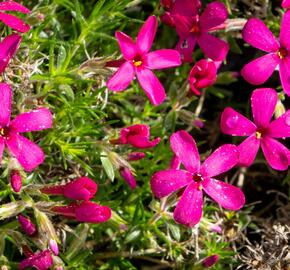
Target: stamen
point(282, 53)
point(137, 63)
point(258, 135)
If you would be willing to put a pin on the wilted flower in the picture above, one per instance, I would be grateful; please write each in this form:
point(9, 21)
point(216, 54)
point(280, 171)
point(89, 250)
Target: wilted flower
point(128, 177)
point(28, 154)
point(196, 178)
point(16, 180)
point(27, 226)
point(41, 261)
point(140, 61)
point(210, 261)
point(259, 36)
point(261, 132)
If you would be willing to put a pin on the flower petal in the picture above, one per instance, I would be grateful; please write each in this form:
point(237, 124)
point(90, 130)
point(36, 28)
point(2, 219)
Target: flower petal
point(163, 183)
point(221, 160)
point(151, 86)
point(14, 22)
point(13, 6)
point(8, 47)
point(127, 45)
point(162, 59)
point(214, 14)
point(188, 8)
point(183, 25)
point(5, 104)
point(259, 70)
point(213, 47)
point(184, 147)
point(32, 121)
point(234, 123)
point(2, 146)
point(257, 34)
point(248, 150)
point(284, 30)
point(284, 72)
point(185, 47)
point(286, 3)
point(280, 128)
point(142, 142)
point(275, 153)
point(28, 154)
point(121, 78)
point(188, 211)
point(226, 195)
point(263, 103)
point(147, 34)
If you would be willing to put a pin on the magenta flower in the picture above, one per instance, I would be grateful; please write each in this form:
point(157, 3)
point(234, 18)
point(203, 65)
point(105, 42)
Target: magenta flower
point(194, 29)
point(259, 36)
point(28, 154)
point(16, 180)
point(27, 226)
point(138, 136)
point(41, 261)
point(210, 261)
point(140, 61)
point(286, 3)
point(128, 177)
point(196, 178)
point(10, 20)
point(82, 188)
point(202, 75)
point(261, 132)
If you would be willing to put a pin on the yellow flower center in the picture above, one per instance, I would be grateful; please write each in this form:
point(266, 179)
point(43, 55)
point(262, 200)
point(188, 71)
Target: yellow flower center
point(4, 132)
point(137, 63)
point(258, 135)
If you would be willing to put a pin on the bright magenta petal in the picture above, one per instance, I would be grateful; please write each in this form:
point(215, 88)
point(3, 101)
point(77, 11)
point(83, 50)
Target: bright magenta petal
point(188, 211)
point(5, 104)
point(284, 30)
point(259, 70)
point(257, 34)
point(188, 8)
point(275, 153)
point(248, 150)
point(14, 22)
point(121, 78)
point(183, 25)
point(28, 154)
point(221, 160)
point(233, 123)
point(162, 59)
point(127, 45)
point(163, 183)
point(146, 34)
point(142, 142)
point(32, 121)
point(214, 14)
point(184, 147)
point(213, 47)
point(151, 86)
point(280, 128)
point(263, 103)
point(284, 72)
point(185, 47)
point(226, 195)
point(286, 3)
point(13, 6)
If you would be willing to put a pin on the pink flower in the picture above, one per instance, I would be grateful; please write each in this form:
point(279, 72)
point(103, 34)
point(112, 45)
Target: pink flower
point(8, 48)
point(41, 261)
point(82, 188)
point(138, 136)
point(28, 154)
point(27, 226)
point(286, 3)
point(210, 261)
point(261, 132)
point(140, 61)
point(10, 20)
point(85, 212)
point(196, 178)
point(128, 177)
point(16, 180)
point(194, 29)
point(202, 75)
point(259, 36)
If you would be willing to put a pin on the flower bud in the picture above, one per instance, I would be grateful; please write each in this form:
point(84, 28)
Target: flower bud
point(16, 180)
point(53, 246)
point(210, 261)
point(128, 177)
point(134, 156)
point(27, 226)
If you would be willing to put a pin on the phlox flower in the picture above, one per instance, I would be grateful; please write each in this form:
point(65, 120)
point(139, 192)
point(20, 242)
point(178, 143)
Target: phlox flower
point(11, 20)
point(259, 36)
point(41, 261)
point(28, 154)
point(195, 178)
point(286, 3)
point(261, 132)
point(139, 61)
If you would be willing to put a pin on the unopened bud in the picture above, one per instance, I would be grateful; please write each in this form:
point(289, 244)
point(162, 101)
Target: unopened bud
point(210, 261)
point(27, 226)
point(53, 246)
point(16, 180)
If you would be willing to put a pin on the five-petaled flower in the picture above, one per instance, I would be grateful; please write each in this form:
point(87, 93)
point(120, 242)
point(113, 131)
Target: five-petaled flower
point(28, 154)
point(261, 132)
point(139, 61)
point(196, 178)
point(259, 36)
point(41, 261)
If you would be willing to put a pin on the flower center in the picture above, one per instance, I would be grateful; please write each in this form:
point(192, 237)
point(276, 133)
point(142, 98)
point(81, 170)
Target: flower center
point(259, 133)
point(137, 61)
point(282, 53)
point(4, 132)
point(195, 29)
point(197, 178)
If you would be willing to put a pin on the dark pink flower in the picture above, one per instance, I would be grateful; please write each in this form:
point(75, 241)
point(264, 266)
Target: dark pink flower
point(286, 3)
point(128, 177)
point(27, 226)
point(202, 75)
point(194, 29)
point(138, 136)
point(261, 132)
point(210, 261)
point(196, 178)
point(82, 188)
point(259, 36)
point(10, 20)
point(28, 154)
point(41, 261)
point(85, 212)
point(16, 180)
point(139, 62)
